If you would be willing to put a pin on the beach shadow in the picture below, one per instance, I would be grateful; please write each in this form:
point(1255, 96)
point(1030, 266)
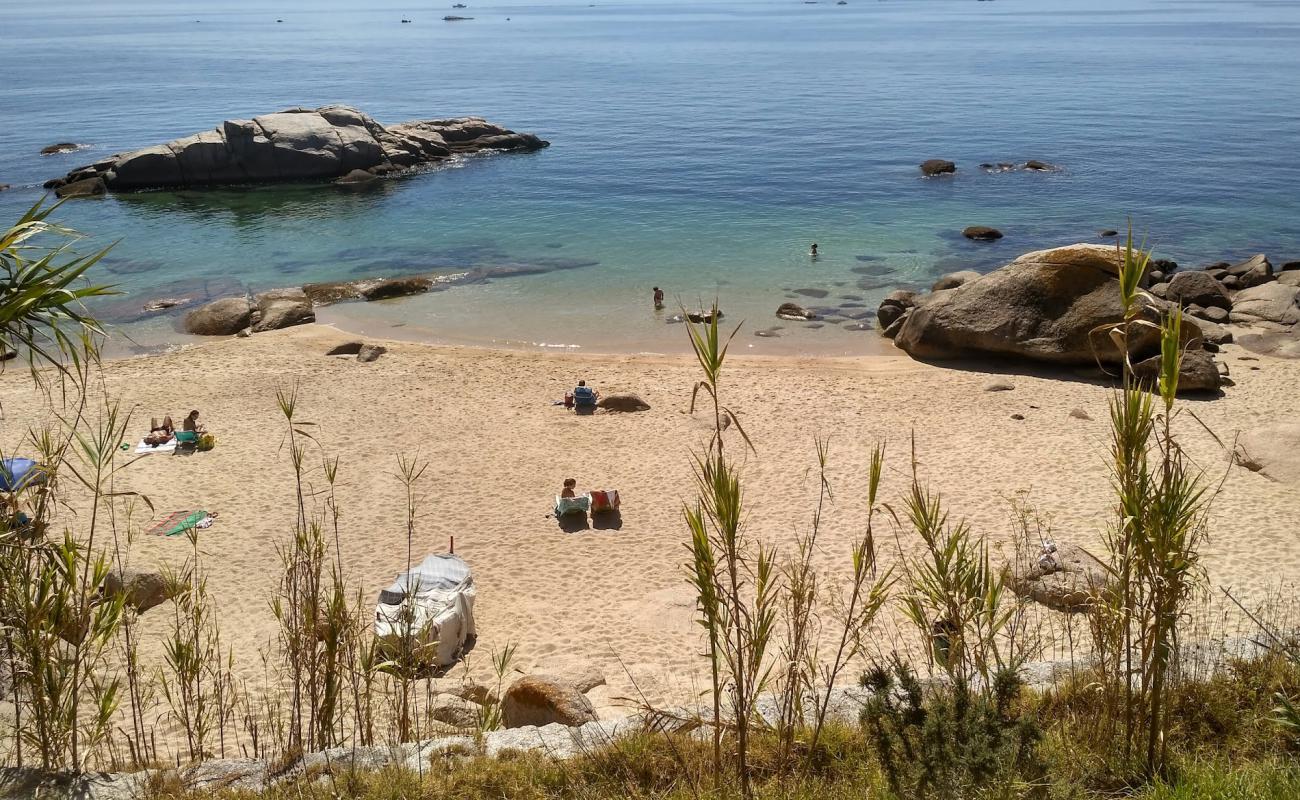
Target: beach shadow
point(1093, 376)
point(584, 411)
point(607, 521)
point(573, 523)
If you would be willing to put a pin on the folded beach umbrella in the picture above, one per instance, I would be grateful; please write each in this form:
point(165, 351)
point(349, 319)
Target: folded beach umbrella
point(19, 473)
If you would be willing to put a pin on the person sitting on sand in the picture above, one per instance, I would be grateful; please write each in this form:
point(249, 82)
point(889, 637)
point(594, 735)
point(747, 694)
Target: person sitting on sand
point(584, 396)
point(192, 423)
point(160, 432)
point(570, 488)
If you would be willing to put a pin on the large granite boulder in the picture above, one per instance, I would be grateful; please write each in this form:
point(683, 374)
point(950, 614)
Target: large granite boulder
point(1197, 288)
point(1274, 303)
point(1253, 271)
point(543, 699)
point(954, 279)
point(298, 144)
point(276, 310)
point(139, 589)
point(395, 287)
point(895, 304)
point(1197, 372)
point(224, 317)
point(1044, 306)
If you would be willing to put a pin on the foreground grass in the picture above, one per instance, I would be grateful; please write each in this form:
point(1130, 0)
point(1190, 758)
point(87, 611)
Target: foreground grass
point(1225, 744)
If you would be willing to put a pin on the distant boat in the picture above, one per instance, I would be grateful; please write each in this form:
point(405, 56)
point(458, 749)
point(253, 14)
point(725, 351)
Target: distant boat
point(450, 18)
point(460, 5)
point(842, 3)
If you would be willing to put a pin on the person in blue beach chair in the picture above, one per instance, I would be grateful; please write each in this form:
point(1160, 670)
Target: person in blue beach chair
point(584, 397)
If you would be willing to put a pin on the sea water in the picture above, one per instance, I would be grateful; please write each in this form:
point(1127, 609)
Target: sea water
point(698, 147)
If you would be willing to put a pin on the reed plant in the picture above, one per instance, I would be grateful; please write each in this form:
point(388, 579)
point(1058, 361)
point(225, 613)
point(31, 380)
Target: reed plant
point(1153, 547)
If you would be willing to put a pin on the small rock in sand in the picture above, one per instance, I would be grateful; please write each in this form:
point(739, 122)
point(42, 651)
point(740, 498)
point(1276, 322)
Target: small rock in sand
point(370, 352)
point(1079, 413)
point(999, 386)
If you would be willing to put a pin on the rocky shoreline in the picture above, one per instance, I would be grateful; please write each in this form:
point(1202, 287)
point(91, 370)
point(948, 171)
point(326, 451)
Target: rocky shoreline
point(1047, 307)
point(298, 144)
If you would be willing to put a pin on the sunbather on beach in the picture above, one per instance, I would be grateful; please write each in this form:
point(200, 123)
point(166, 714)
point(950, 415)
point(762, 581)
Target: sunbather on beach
point(160, 432)
point(192, 423)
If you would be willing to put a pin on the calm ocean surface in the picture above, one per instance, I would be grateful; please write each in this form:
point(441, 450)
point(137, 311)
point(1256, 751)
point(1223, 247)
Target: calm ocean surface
point(700, 147)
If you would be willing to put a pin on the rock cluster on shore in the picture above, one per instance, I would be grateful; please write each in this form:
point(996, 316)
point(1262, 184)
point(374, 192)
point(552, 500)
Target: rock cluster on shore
point(1048, 307)
point(296, 144)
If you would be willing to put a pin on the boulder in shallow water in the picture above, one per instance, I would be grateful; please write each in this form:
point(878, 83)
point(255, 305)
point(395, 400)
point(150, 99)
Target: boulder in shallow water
point(937, 166)
point(396, 287)
point(300, 144)
point(954, 279)
point(87, 187)
point(61, 147)
point(895, 304)
point(224, 317)
point(283, 311)
point(982, 233)
point(796, 312)
point(356, 177)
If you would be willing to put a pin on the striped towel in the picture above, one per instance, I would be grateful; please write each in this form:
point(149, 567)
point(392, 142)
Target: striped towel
point(177, 523)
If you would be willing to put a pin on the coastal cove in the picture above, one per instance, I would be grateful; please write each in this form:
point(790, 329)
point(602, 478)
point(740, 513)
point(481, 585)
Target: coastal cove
point(699, 148)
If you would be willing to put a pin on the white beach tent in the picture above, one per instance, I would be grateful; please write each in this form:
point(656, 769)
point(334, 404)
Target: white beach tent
point(434, 601)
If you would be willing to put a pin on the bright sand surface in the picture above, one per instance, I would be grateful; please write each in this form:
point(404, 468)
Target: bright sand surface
point(497, 451)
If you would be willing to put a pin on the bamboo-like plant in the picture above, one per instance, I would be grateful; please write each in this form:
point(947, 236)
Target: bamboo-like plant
point(1162, 505)
point(41, 293)
point(735, 579)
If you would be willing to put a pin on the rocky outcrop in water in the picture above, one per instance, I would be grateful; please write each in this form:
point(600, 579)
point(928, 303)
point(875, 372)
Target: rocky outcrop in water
point(298, 144)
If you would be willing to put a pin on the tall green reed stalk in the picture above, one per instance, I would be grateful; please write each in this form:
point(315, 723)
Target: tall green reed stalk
point(1162, 506)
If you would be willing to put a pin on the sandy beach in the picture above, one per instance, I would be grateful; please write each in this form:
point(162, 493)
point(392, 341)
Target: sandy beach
point(497, 450)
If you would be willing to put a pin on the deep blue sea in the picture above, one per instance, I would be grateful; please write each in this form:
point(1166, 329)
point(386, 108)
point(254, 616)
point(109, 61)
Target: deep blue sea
point(701, 147)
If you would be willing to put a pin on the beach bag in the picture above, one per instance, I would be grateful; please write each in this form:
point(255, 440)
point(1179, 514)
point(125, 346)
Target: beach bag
point(604, 501)
point(206, 442)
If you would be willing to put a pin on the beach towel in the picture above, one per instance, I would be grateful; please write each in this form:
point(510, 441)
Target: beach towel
point(572, 505)
point(178, 522)
point(604, 501)
point(145, 449)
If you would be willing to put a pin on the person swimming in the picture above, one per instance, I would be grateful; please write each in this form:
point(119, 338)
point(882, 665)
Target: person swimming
point(813, 251)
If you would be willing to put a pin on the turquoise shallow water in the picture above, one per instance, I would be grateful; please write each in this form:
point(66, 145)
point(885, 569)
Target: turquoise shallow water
point(699, 147)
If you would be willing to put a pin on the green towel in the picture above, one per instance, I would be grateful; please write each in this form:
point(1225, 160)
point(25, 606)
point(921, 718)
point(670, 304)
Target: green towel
point(187, 523)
